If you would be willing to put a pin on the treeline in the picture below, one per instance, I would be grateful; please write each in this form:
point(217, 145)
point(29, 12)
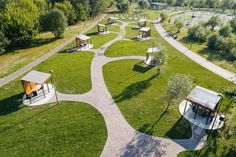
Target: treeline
point(222, 41)
point(22, 20)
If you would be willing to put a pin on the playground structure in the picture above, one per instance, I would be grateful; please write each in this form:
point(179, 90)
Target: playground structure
point(102, 29)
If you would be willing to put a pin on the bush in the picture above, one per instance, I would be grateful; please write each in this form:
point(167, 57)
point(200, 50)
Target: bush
point(225, 31)
point(212, 40)
point(233, 24)
point(54, 21)
point(123, 5)
point(163, 16)
point(198, 33)
point(3, 43)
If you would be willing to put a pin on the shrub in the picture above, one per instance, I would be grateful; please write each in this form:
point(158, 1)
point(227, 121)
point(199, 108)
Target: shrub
point(163, 16)
point(233, 24)
point(198, 33)
point(212, 40)
point(225, 31)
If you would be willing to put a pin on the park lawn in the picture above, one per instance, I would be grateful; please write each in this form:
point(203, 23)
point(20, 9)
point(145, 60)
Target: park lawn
point(142, 97)
point(66, 129)
point(71, 71)
point(41, 44)
point(99, 40)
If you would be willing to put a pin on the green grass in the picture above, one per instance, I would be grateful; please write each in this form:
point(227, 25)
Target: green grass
point(67, 129)
point(41, 44)
point(71, 71)
point(100, 40)
point(142, 97)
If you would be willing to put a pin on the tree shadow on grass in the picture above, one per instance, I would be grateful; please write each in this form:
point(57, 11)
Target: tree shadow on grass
point(148, 128)
point(34, 43)
point(92, 34)
point(143, 145)
point(11, 104)
point(141, 68)
point(180, 130)
point(134, 89)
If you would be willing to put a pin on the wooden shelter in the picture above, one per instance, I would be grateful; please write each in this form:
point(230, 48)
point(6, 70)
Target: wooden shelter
point(82, 40)
point(205, 102)
point(33, 82)
point(150, 56)
point(145, 32)
point(101, 28)
point(142, 23)
point(111, 20)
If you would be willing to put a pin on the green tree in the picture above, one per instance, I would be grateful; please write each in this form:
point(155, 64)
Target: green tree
point(233, 24)
point(68, 11)
point(212, 41)
point(234, 7)
point(213, 22)
point(226, 4)
point(4, 42)
point(198, 33)
point(179, 24)
point(144, 4)
point(54, 21)
point(179, 85)
point(163, 16)
point(160, 58)
point(225, 31)
point(123, 5)
point(20, 21)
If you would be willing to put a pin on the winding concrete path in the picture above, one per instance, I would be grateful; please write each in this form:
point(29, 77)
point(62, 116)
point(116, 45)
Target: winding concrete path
point(122, 139)
point(195, 57)
point(16, 74)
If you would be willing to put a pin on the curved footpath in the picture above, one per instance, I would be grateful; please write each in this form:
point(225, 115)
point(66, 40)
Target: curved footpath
point(122, 139)
point(195, 57)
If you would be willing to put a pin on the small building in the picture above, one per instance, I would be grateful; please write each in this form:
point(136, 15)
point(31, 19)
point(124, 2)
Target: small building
point(83, 42)
point(111, 20)
point(142, 23)
point(144, 33)
point(102, 29)
point(151, 56)
point(158, 6)
point(36, 88)
point(201, 108)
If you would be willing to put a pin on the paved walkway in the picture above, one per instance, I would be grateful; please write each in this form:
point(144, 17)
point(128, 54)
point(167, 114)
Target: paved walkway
point(122, 139)
point(16, 74)
point(195, 57)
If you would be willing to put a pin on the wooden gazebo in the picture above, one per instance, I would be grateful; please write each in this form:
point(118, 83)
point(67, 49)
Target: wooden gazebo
point(145, 32)
point(142, 23)
point(111, 20)
point(205, 102)
point(150, 56)
point(101, 28)
point(82, 40)
point(33, 82)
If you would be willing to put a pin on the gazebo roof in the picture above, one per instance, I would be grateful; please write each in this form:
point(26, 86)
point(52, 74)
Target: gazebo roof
point(141, 20)
point(145, 29)
point(83, 37)
point(204, 97)
point(36, 77)
point(153, 50)
point(102, 25)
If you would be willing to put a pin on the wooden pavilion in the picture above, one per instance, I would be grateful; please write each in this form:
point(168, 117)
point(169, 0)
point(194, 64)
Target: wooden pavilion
point(145, 32)
point(111, 20)
point(33, 82)
point(142, 23)
point(82, 40)
point(102, 29)
point(150, 56)
point(204, 102)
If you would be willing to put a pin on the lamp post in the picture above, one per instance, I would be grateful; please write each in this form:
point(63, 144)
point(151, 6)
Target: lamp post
point(51, 72)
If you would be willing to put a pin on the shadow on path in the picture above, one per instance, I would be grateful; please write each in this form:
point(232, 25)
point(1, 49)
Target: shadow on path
point(143, 145)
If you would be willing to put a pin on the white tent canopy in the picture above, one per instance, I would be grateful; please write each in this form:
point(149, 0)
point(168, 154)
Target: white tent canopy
point(83, 37)
point(36, 77)
point(145, 29)
point(204, 97)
